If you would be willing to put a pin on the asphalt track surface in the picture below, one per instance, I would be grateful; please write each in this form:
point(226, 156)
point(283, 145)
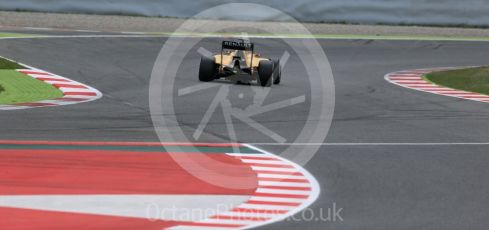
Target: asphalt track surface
point(396, 186)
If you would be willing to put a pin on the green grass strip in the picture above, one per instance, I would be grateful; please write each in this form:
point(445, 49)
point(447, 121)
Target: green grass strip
point(6, 64)
point(20, 88)
point(470, 79)
point(16, 35)
point(187, 149)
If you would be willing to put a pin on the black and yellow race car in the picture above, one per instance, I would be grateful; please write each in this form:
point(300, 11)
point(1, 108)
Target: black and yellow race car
point(239, 63)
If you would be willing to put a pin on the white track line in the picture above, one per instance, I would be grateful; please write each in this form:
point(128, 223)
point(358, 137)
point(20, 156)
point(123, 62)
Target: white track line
point(374, 144)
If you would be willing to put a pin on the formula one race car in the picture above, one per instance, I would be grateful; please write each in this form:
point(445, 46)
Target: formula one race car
point(239, 63)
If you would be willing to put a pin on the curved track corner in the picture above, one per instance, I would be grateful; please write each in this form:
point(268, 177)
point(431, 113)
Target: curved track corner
point(73, 92)
point(413, 79)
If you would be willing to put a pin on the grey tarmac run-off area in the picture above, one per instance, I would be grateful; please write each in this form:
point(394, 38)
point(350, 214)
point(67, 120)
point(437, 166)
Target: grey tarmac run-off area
point(395, 186)
point(110, 23)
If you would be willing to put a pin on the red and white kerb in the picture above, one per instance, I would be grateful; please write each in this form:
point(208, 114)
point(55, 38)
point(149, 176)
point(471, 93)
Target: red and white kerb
point(413, 79)
point(73, 92)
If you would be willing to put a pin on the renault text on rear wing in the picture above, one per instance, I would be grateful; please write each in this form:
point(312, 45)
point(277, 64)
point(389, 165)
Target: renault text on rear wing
point(237, 45)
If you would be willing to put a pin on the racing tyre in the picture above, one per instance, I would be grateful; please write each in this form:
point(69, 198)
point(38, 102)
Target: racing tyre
point(207, 69)
point(277, 72)
point(265, 73)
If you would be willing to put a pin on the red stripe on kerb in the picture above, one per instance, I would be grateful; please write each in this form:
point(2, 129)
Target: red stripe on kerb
point(259, 211)
point(281, 195)
point(284, 180)
point(285, 187)
point(52, 79)
point(257, 158)
point(70, 99)
point(279, 173)
point(70, 86)
point(270, 165)
point(79, 94)
point(34, 72)
point(273, 203)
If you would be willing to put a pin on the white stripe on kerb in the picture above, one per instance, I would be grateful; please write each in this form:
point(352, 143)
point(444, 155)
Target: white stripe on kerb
point(284, 184)
point(280, 176)
point(225, 221)
point(266, 207)
point(277, 199)
point(282, 191)
point(258, 168)
point(251, 214)
point(271, 162)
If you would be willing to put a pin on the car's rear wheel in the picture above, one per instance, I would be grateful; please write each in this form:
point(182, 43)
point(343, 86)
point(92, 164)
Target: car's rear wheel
point(207, 69)
point(277, 72)
point(265, 73)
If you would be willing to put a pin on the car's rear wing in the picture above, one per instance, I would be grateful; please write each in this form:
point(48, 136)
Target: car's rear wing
point(238, 45)
point(241, 44)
